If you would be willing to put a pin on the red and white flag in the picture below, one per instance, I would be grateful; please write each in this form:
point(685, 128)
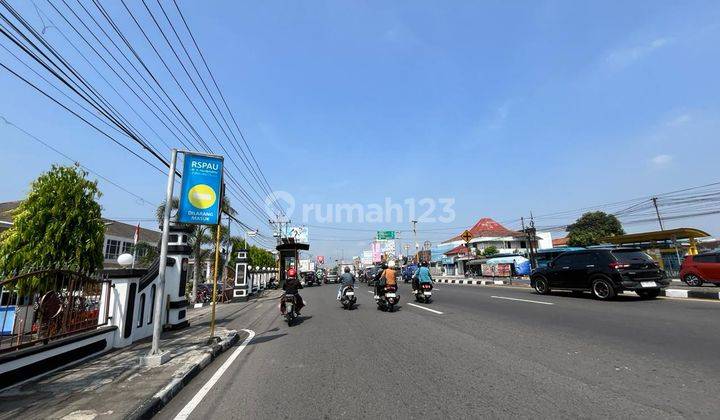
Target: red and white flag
point(136, 238)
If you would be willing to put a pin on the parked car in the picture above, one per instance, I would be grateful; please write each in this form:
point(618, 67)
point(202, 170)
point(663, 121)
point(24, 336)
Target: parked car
point(698, 269)
point(370, 274)
point(603, 272)
point(310, 278)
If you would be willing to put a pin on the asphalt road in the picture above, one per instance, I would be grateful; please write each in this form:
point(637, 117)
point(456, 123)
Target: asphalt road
point(483, 355)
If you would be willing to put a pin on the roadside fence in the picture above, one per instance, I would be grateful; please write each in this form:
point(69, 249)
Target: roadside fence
point(39, 306)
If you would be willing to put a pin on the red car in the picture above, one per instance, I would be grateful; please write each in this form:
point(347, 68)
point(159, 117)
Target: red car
point(702, 268)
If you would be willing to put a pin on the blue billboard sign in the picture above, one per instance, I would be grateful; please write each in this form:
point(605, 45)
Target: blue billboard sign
point(201, 190)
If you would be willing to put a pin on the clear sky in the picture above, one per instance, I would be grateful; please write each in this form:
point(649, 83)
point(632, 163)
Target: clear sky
point(506, 107)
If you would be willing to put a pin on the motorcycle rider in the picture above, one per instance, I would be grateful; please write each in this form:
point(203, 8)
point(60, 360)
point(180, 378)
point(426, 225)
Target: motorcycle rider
point(389, 274)
point(421, 275)
point(346, 279)
point(291, 286)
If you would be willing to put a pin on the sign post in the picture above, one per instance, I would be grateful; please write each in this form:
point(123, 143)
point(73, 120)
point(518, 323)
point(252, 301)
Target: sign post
point(200, 196)
point(201, 204)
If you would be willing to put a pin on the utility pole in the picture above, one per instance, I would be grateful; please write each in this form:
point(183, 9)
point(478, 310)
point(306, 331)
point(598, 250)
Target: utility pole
point(533, 262)
point(414, 222)
point(654, 200)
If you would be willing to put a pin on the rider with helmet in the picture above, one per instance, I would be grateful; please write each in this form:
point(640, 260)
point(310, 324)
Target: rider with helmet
point(387, 274)
point(291, 286)
point(346, 279)
point(422, 275)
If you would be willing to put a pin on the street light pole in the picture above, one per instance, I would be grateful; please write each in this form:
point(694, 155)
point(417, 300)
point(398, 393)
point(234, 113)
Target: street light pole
point(156, 357)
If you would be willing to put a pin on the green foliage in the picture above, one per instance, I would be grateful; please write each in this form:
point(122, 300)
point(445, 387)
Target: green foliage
point(591, 227)
point(147, 254)
point(490, 251)
point(257, 257)
point(58, 224)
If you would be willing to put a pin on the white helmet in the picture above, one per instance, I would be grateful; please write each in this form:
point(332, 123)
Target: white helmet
point(391, 263)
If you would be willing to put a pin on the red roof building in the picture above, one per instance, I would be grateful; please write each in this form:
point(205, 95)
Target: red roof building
point(488, 228)
point(560, 242)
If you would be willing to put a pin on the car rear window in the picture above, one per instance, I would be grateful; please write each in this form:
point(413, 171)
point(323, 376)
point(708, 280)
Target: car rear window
point(630, 257)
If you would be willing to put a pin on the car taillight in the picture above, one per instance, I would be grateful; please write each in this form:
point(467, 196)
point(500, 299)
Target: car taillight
point(616, 265)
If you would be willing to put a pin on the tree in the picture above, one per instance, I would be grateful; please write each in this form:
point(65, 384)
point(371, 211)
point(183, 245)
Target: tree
point(257, 257)
point(58, 224)
point(591, 227)
point(490, 251)
point(147, 254)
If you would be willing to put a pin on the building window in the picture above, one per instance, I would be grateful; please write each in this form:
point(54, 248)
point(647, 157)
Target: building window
point(112, 249)
point(127, 248)
point(523, 244)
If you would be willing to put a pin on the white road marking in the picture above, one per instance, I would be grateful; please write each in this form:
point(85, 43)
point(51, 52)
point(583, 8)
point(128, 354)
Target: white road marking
point(427, 309)
point(523, 300)
point(193, 403)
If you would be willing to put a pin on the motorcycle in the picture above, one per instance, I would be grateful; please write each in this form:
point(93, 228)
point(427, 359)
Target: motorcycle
point(287, 308)
point(388, 300)
point(424, 293)
point(347, 298)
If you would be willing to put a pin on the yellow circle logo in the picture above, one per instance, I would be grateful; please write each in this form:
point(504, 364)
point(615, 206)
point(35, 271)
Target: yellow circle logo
point(202, 196)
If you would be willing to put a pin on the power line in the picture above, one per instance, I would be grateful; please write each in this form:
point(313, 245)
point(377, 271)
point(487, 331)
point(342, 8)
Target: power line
point(143, 200)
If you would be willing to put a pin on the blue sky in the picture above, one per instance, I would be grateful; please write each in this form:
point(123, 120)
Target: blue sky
point(507, 107)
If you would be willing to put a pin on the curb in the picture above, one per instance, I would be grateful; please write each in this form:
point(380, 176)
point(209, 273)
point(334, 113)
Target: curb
point(690, 294)
point(150, 407)
point(474, 282)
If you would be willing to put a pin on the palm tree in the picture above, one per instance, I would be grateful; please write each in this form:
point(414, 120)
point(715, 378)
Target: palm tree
point(199, 236)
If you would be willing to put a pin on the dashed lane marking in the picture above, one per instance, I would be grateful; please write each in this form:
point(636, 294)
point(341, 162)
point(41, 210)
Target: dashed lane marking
point(427, 309)
point(522, 300)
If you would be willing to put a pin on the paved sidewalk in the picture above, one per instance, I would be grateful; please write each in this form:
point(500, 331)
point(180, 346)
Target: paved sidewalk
point(113, 385)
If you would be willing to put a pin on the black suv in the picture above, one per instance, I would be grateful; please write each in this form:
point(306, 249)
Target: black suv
point(604, 272)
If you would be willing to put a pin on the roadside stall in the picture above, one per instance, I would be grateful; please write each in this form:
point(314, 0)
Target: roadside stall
point(667, 247)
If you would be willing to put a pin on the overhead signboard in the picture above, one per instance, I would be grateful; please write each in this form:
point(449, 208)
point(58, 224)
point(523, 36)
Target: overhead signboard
point(201, 191)
point(385, 234)
point(300, 233)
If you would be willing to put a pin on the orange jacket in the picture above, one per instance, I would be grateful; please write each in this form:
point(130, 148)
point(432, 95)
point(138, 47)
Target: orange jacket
point(389, 274)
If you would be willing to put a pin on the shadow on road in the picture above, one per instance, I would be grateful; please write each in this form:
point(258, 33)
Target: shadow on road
point(265, 338)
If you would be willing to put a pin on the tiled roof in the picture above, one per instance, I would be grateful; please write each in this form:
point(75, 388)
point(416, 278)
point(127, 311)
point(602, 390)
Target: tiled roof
point(560, 241)
point(460, 249)
point(488, 228)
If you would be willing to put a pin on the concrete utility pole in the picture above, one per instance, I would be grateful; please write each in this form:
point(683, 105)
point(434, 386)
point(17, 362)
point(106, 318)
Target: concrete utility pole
point(157, 357)
point(414, 222)
point(654, 200)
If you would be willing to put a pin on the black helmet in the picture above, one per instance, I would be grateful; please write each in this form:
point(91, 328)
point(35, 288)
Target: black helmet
point(347, 269)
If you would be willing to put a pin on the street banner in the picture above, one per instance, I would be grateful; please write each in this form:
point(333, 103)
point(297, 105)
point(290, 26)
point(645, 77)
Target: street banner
point(201, 190)
point(387, 247)
point(367, 258)
point(496, 270)
point(376, 252)
point(385, 234)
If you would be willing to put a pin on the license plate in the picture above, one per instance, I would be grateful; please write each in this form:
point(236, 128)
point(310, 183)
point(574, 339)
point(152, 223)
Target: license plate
point(390, 295)
point(350, 293)
point(648, 284)
point(427, 293)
